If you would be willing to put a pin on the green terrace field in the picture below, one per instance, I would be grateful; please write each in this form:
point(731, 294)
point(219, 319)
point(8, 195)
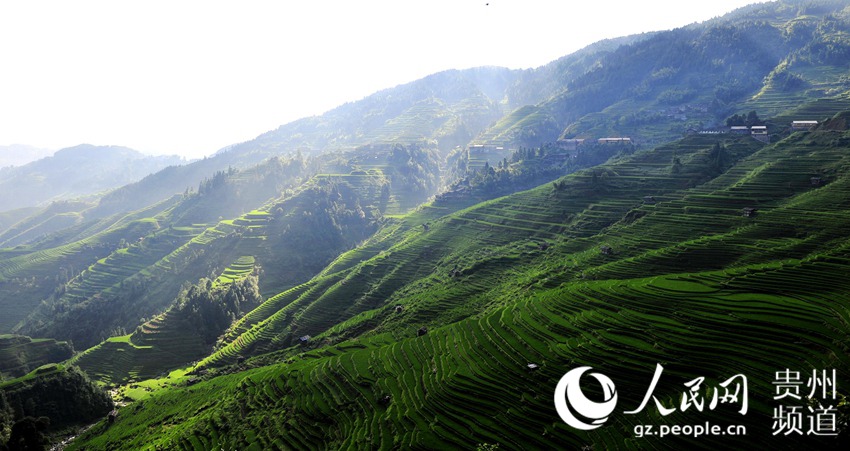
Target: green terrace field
point(431, 118)
point(392, 231)
point(175, 338)
point(240, 268)
point(417, 122)
point(277, 310)
point(140, 257)
point(585, 271)
point(30, 236)
point(156, 347)
point(138, 276)
point(373, 179)
point(367, 185)
point(467, 383)
point(155, 263)
point(18, 231)
point(30, 274)
point(33, 272)
point(823, 85)
point(458, 255)
point(817, 110)
point(505, 128)
point(168, 341)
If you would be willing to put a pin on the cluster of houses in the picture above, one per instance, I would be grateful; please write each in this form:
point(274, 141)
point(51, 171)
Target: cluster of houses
point(758, 132)
point(744, 130)
point(569, 147)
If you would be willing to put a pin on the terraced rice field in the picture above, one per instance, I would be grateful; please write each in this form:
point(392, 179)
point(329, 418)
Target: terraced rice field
point(242, 267)
point(467, 383)
point(158, 346)
point(689, 283)
point(823, 82)
point(469, 248)
point(109, 271)
point(35, 270)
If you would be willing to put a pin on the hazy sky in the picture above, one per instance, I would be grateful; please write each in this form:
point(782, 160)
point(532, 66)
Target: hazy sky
point(190, 77)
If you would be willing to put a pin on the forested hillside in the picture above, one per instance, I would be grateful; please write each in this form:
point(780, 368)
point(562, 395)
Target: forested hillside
point(767, 57)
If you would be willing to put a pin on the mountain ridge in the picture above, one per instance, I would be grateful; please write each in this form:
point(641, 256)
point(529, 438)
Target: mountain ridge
point(74, 172)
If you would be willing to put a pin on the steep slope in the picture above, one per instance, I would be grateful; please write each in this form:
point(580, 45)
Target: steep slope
point(124, 250)
point(186, 332)
point(449, 107)
point(700, 254)
point(291, 223)
point(31, 274)
point(651, 87)
point(539, 84)
point(138, 278)
point(55, 217)
point(582, 272)
point(475, 244)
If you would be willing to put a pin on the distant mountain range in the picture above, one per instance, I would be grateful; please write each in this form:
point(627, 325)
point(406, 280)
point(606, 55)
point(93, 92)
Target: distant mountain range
point(20, 154)
point(74, 172)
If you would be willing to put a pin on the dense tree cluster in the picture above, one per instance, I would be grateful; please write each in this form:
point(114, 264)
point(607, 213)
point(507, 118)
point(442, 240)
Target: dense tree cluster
point(215, 182)
point(531, 166)
point(786, 81)
point(749, 119)
point(209, 309)
point(48, 402)
point(27, 434)
point(414, 167)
